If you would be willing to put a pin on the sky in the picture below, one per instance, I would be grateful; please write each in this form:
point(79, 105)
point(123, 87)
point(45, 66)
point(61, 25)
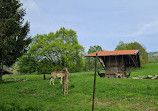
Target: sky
point(97, 22)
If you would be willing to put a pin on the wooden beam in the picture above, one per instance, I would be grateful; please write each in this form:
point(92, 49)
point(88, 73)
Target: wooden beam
point(133, 60)
point(101, 64)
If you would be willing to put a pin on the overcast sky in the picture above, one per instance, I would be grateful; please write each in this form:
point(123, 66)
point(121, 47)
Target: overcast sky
point(97, 22)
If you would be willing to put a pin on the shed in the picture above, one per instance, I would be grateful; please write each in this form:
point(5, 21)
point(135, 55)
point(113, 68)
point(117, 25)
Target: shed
point(115, 63)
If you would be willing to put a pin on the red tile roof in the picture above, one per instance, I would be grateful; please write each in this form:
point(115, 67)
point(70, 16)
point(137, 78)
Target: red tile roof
point(117, 52)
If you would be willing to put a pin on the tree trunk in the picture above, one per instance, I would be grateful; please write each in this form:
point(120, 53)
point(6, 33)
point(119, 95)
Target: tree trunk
point(44, 77)
point(1, 75)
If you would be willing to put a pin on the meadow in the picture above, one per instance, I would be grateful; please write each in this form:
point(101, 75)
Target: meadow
point(31, 92)
point(148, 69)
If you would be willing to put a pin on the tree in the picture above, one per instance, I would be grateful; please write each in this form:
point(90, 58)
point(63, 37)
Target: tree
point(26, 64)
point(95, 48)
point(14, 37)
point(89, 61)
point(56, 51)
point(132, 46)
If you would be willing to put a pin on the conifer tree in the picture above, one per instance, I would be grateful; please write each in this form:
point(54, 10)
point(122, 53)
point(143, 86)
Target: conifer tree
point(14, 37)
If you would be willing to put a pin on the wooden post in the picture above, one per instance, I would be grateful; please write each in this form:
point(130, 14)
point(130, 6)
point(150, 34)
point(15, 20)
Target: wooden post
point(44, 77)
point(94, 81)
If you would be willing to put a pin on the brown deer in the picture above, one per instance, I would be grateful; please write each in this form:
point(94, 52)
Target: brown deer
point(60, 74)
point(119, 75)
point(65, 83)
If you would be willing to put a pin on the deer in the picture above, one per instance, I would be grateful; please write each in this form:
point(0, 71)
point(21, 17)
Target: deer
point(101, 74)
point(60, 74)
point(65, 83)
point(119, 75)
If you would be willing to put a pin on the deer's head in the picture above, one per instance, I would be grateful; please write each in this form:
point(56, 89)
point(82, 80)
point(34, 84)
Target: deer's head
point(66, 69)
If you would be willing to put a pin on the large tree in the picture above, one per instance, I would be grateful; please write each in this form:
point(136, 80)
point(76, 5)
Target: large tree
point(14, 37)
point(55, 51)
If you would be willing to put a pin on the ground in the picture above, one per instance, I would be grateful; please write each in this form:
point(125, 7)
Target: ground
point(31, 92)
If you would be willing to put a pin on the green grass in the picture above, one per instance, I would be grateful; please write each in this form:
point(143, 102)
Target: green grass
point(31, 92)
point(148, 69)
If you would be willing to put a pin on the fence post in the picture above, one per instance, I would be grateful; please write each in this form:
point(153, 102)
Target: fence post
point(94, 81)
point(44, 77)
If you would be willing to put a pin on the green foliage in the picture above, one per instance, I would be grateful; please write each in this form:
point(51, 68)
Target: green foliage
point(90, 61)
point(153, 57)
point(55, 51)
point(13, 30)
point(26, 64)
point(153, 60)
point(95, 48)
point(112, 94)
point(134, 46)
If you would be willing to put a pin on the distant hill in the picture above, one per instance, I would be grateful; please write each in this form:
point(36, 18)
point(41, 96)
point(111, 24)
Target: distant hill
point(153, 54)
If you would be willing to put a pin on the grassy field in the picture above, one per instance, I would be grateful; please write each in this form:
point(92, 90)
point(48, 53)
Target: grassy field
point(148, 69)
point(30, 92)
point(156, 55)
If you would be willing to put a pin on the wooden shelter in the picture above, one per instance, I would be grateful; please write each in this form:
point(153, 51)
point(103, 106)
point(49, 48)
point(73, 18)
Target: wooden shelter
point(115, 63)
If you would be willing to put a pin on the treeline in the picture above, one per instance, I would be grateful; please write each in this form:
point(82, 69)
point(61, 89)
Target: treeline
point(54, 51)
point(153, 57)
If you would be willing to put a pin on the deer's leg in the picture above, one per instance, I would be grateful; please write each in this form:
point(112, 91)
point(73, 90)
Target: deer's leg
point(67, 88)
point(61, 80)
point(64, 88)
point(53, 81)
point(50, 81)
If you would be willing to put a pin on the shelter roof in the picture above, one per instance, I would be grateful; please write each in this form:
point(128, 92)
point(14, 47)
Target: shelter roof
point(114, 53)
